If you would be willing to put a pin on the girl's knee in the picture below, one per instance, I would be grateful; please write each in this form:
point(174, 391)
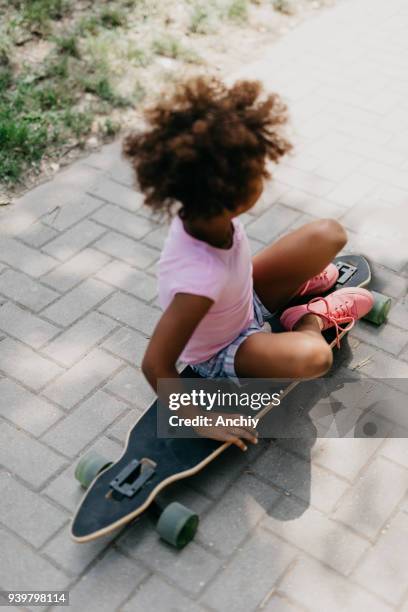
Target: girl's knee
point(330, 230)
point(315, 359)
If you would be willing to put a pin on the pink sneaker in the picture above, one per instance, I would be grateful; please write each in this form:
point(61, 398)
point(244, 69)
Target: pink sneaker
point(343, 306)
point(321, 282)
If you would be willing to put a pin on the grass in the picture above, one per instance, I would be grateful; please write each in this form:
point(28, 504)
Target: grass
point(94, 58)
point(238, 10)
point(68, 45)
point(168, 46)
point(36, 115)
point(112, 18)
point(44, 109)
point(37, 15)
point(39, 112)
point(201, 20)
point(283, 6)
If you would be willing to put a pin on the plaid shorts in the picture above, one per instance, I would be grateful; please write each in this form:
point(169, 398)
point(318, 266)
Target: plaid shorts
point(221, 365)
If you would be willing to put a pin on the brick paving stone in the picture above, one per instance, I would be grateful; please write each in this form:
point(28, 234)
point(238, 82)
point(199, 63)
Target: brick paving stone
point(123, 221)
point(127, 344)
point(122, 172)
point(306, 203)
point(312, 531)
point(377, 217)
point(345, 457)
point(25, 326)
point(106, 158)
point(132, 386)
point(26, 365)
point(342, 163)
point(387, 282)
point(73, 271)
point(74, 240)
point(387, 337)
point(131, 311)
point(396, 449)
point(67, 185)
point(84, 423)
point(307, 481)
point(65, 489)
point(306, 181)
point(267, 227)
point(373, 362)
point(24, 258)
point(299, 160)
point(22, 569)
point(25, 290)
point(79, 338)
point(324, 147)
point(153, 269)
point(392, 254)
point(25, 409)
point(273, 190)
point(182, 492)
point(236, 514)
point(190, 569)
point(70, 213)
point(38, 234)
point(120, 429)
point(157, 237)
point(82, 378)
point(373, 497)
point(26, 513)
point(352, 189)
point(277, 604)
point(399, 313)
point(77, 302)
point(70, 555)
point(106, 585)
point(113, 192)
point(384, 570)
point(317, 588)
point(214, 480)
point(157, 595)
point(30, 460)
point(123, 276)
point(405, 606)
point(383, 172)
point(251, 574)
point(130, 251)
point(256, 246)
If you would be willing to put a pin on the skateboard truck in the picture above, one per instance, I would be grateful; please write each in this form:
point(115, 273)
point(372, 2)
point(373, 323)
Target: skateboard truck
point(346, 271)
point(132, 478)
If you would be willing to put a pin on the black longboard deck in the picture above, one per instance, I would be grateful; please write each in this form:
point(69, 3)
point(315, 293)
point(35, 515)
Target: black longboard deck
point(100, 511)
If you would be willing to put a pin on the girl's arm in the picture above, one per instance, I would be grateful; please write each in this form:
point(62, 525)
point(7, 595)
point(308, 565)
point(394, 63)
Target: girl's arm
point(169, 338)
point(171, 335)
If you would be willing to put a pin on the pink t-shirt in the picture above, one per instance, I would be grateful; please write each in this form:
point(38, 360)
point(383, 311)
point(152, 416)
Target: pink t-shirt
point(189, 265)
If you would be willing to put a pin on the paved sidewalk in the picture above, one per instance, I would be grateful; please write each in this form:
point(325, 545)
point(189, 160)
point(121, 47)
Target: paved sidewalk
point(319, 527)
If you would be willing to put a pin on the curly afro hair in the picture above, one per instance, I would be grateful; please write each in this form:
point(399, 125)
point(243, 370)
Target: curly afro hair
point(205, 145)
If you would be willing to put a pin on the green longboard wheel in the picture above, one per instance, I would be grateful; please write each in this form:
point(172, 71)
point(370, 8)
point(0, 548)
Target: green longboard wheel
point(89, 466)
point(380, 310)
point(177, 525)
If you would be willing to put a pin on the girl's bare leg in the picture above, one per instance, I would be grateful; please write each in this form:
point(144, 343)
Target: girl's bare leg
point(281, 268)
point(302, 353)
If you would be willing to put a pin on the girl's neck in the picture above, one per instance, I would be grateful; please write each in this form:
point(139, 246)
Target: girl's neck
point(217, 232)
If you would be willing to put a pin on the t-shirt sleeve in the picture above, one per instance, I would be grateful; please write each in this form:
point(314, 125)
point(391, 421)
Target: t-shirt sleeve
point(207, 278)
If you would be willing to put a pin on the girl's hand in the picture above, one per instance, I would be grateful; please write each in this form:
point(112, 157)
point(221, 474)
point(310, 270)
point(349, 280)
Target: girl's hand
point(234, 435)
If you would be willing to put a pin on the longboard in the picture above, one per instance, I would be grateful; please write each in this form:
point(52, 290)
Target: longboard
point(120, 492)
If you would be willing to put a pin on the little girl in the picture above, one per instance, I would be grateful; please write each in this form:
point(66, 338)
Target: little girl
point(206, 150)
